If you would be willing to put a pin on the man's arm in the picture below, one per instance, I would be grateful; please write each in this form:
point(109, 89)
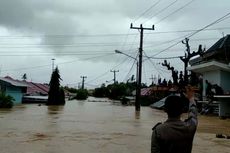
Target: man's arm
point(155, 146)
point(192, 114)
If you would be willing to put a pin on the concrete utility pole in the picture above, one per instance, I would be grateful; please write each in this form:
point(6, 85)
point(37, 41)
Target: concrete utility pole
point(83, 81)
point(114, 75)
point(53, 64)
point(138, 90)
point(152, 78)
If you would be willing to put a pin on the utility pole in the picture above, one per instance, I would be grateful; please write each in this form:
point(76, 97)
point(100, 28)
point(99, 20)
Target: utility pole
point(138, 90)
point(83, 81)
point(152, 78)
point(53, 64)
point(114, 75)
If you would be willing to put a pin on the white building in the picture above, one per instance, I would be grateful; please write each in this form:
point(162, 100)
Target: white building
point(214, 66)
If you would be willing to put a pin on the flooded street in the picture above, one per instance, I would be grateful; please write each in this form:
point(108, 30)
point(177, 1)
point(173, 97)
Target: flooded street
point(99, 127)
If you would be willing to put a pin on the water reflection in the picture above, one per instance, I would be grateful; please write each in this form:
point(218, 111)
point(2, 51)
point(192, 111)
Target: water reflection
point(137, 114)
point(55, 109)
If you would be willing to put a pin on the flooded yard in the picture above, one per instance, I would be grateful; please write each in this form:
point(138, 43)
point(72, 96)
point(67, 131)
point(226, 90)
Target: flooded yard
point(99, 127)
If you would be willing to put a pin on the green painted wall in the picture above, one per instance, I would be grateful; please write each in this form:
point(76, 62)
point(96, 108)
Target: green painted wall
point(16, 93)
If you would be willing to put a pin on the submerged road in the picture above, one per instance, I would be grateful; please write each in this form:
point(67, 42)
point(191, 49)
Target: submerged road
point(99, 127)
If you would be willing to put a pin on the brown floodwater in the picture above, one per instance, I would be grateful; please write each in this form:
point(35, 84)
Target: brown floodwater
point(99, 127)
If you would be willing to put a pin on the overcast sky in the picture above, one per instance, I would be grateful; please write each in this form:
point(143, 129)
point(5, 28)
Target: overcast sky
point(82, 35)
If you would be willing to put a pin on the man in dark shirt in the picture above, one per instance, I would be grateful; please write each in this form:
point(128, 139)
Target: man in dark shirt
point(175, 135)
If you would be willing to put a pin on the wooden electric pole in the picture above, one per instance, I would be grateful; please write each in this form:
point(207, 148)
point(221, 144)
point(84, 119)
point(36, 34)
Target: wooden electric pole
point(114, 75)
point(138, 90)
point(83, 81)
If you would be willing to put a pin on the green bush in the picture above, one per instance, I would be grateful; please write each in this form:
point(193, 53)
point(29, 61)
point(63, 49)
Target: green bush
point(82, 94)
point(6, 101)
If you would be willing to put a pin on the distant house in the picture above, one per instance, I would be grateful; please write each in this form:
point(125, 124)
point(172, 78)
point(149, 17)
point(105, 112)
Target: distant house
point(36, 93)
point(24, 91)
point(214, 64)
point(36, 89)
point(13, 88)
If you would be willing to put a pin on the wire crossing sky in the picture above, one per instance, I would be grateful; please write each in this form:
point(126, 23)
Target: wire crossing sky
point(82, 37)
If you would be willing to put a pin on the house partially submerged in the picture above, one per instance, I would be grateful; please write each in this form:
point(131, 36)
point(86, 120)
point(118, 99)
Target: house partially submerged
point(24, 91)
point(214, 66)
point(36, 93)
point(13, 88)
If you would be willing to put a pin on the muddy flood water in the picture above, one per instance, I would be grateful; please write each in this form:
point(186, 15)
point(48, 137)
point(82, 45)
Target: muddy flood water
point(98, 127)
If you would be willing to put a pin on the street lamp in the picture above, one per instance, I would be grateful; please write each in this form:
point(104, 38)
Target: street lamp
point(119, 52)
point(138, 86)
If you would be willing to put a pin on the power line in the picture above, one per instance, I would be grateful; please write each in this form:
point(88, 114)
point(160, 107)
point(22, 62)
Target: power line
point(51, 54)
point(190, 30)
point(190, 35)
point(175, 11)
point(59, 46)
point(162, 10)
point(172, 57)
point(105, 35)
point(215, 22)
point(169, 41)
point(154, 66)
point(48, 65)
point(131, 69)
point(103, 74)
point(152, 6)
point(77, 51)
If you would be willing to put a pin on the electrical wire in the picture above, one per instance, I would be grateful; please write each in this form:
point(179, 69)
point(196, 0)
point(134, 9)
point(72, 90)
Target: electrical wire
point(103, 74)
point(50, 54)
point(142, 14)
point(192, 34)
point(177, 10)
point(153, 65)
point(126, 77)
point(162, 10)
point(48, 65)
point(105, 35)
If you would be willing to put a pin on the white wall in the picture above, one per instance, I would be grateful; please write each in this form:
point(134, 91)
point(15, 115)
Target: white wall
point(225, 80)
point(214, 77)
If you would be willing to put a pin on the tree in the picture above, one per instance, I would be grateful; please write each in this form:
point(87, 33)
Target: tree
point(6, 101)
point(56, 94)
point(101, 92)
point(188, 56)
point(174, 72)
point(82, 94)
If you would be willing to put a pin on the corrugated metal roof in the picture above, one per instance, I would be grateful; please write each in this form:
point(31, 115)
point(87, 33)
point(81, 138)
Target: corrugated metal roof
point(146, 91)
point(219, 46)
point(33, 89)
point(159, 104)
point(43, 87)
point(225, 41)
point(13, 82)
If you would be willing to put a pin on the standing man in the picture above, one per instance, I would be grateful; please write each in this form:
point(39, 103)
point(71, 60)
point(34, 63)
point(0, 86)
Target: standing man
point(175, 135)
